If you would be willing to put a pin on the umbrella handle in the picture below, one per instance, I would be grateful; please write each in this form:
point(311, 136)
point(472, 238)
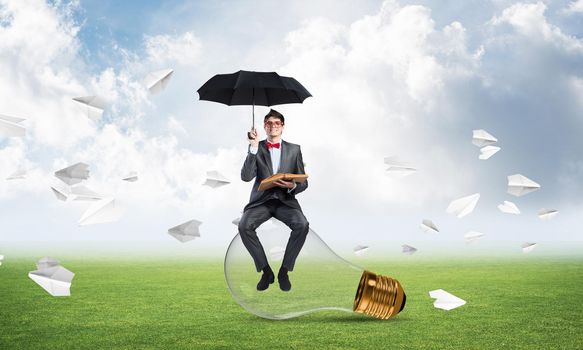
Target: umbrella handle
point(253, 121)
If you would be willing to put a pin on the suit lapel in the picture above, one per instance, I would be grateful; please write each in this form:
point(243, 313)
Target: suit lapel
point(284, 161)
point(266, 156)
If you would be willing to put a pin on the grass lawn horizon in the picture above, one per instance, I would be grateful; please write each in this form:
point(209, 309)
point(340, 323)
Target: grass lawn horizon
point(181, 303)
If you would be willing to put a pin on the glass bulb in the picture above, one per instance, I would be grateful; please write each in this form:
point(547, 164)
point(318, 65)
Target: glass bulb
point(321, 280)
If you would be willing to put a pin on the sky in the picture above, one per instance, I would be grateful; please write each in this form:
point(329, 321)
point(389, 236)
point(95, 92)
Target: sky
point(410, 79)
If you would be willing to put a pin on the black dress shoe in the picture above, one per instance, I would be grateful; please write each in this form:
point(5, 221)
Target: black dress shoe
point(266, 279)
point(284, 283)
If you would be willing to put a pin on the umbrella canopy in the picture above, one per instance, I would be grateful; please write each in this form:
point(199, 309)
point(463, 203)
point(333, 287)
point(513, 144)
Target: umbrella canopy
point(253, 88)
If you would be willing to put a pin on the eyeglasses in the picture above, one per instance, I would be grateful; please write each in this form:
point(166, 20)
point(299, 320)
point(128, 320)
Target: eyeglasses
point(273, 124)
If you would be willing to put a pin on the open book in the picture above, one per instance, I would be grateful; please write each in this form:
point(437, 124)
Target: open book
point(269, 182)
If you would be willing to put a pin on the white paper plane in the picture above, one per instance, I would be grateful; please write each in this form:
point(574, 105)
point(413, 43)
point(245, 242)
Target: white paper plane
point(236, 221)
point(187, 231)
point(360, 250)
point(93, 105)
point(73, 174)
point(397, 168)
point(463, 206)
point(102, 211)
point(46, 262)
point(82, 193)
point(487, 152)
point(62, 193)
point(277, 253)
point(157, 81)
point(508, 208)
point(55, 280)
point(215, 179)
point(11, 127)
point(428, 226)
point(445, 300)
point(482, 138)
point(408, 250)
point(75, 193)
point(17, 175)
point(132, 176)
point(528, 247)
point(473, 236)
point(519, 185)
point(547, 214)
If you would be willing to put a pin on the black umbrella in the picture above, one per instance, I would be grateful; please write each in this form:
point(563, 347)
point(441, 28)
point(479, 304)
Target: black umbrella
point(253, 88)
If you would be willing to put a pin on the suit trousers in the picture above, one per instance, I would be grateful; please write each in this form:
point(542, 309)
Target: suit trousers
point(294, 218)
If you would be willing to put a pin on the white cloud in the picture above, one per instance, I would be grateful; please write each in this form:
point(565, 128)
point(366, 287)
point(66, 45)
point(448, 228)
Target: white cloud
point(529, 20)
point(375, 85)
point(183, 49)
point(575, 7)
point(169, 176)
point(175, 127)
point(37, 75)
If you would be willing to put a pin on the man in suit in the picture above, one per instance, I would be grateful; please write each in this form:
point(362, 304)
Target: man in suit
point(265, 158)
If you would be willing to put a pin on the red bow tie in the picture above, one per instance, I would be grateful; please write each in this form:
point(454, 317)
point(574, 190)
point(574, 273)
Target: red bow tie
point(272, 145)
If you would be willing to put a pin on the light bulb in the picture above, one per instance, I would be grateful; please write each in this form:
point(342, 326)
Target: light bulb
point(321, 280)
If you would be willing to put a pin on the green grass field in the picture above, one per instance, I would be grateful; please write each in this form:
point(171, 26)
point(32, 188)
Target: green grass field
point(512, 303)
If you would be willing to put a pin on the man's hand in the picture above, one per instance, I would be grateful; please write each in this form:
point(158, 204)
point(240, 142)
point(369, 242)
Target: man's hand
point(284, 184)
point(253, 138)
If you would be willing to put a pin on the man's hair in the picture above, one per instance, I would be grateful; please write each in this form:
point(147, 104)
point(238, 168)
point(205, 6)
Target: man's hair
point(274, 114)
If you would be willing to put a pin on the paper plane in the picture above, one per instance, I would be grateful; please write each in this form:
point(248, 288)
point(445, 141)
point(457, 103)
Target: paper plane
point(61, 193)
point(17, 175)
point(463, 206)
point(519, 185)
point(11, 127)
point(215, 179)
point(487, 152)
point(428, 226)
point(547, 214)
point(73, 174)
point(473, 236)
point(94, 106)
point(102, 211)
point(277, 253)
point(508, 208)
point(482, 138)
point(397, 168)
point(187, 231)
point(445, 300)
point(55, 280)
point(360, 250)
point(407, 249)
point(46, 262)
point(132, 176)
point(157, 81)
point(236, 221)
point(76, 193)
point(82, 193)
point(528, 247)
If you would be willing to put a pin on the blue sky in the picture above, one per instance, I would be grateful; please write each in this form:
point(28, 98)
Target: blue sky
point(404, 78)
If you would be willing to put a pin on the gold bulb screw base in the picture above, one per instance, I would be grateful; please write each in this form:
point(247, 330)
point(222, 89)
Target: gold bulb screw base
point(379, 296)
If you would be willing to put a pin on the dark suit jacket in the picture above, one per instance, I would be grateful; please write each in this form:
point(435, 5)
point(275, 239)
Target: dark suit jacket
point(259, 166)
